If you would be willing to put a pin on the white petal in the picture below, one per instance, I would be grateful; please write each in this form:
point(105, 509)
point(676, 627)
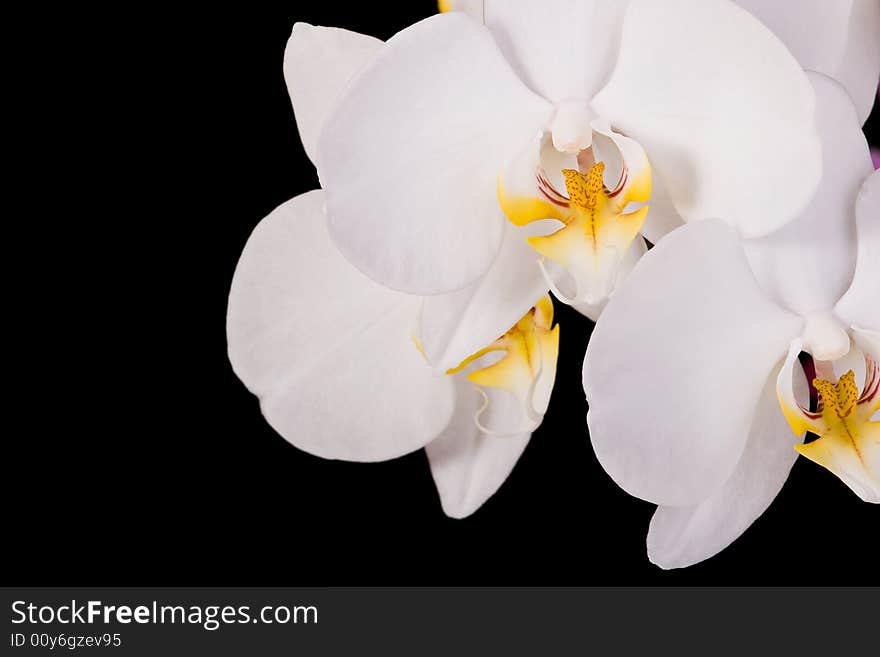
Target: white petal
point(563, 49)
point(860, 306)
point(318, 64)
point(662, 217)
point(410, 156)
point(683, 536)
point(676, 364)
point(327, 351)
point(840, 39)
point(454, 326)
point(722, 109)
point(637, 249)
point(468, 465)
point(808, 264)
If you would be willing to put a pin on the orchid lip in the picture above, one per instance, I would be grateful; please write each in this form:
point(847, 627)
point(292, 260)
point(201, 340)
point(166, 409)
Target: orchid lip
point(528, 362)
point(600, 211)
point(848, 438)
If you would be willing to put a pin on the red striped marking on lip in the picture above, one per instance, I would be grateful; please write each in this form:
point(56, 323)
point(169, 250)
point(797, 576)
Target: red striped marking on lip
point(550, 192)
point(872, 381)
point(621, 183)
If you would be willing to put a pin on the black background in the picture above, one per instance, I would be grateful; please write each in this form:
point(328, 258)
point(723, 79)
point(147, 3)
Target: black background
point(141, 459)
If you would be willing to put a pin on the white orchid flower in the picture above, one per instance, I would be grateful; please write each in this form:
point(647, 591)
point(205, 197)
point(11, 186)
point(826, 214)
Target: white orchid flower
point(332, 358)
point(574, 112)
point(697, 399)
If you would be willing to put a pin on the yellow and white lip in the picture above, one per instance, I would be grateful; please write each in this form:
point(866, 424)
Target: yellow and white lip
point(596, 227)
point(516, 386)
point(848, 441)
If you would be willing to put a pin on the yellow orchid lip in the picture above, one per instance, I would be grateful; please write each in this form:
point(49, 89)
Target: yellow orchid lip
point(848, 439)
point(596, 233)
point(597, 229)
point(526, 370)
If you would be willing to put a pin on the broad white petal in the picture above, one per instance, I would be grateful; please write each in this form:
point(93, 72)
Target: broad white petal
point(840, 38)
point(468, 465)
point(327, 351)
point(808, 264)
point(318, 64)
point(563, 49)
point(682, 536)
point(676, 364)
point(860, 306)
point(410, 156)
point(453, 326)
point(723, 110)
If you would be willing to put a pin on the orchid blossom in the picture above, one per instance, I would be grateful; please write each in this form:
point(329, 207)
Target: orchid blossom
point(588, 123)
point(467, 374)
point(698, 399)
point(332, 357)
